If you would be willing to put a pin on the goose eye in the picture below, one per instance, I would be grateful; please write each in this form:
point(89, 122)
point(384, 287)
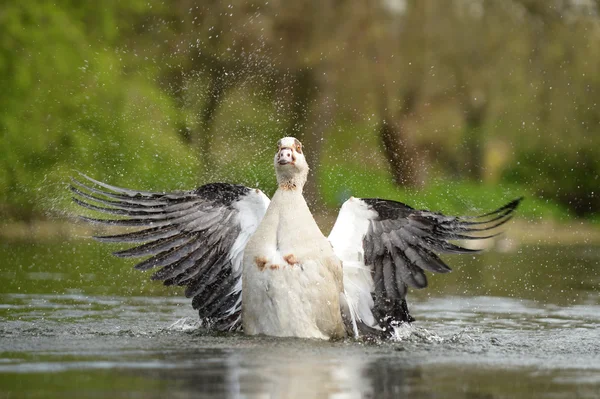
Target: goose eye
point(299, 149)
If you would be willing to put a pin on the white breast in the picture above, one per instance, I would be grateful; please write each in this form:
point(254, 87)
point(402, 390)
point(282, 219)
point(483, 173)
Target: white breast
point(291, 278)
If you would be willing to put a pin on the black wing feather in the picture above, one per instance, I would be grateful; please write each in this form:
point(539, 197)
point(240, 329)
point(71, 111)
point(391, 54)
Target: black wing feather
point(402, 243)
point(189, 235)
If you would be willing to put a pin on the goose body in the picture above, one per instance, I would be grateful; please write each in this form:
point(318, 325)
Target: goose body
point(265, 267)
point(292, 280)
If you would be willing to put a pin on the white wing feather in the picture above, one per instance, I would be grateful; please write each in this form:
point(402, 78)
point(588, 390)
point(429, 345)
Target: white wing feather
point(346, 237)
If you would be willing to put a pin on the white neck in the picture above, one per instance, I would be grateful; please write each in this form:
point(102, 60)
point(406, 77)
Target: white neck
point(291, 181)
point(292, 221)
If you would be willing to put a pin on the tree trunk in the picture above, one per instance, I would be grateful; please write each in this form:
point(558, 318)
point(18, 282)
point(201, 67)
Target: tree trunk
point(473, 139)
point(474, 104)
point(302, 94)
point(313, 136)
point(311, 115)
point(401, 154)
point(204, 137)
point(403, 158)
point(201, 135)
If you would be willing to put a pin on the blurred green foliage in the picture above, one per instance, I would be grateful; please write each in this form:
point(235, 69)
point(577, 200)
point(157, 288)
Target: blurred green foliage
point(68, 104)
point(486, 101)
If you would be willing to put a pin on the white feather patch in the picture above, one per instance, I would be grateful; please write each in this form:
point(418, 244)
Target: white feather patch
point(251, 210)
point(346, 237)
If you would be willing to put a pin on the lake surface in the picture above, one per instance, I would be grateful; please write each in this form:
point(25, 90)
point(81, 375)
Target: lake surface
point(77, 322)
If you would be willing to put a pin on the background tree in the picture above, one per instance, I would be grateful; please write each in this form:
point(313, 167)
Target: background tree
point(393, 95)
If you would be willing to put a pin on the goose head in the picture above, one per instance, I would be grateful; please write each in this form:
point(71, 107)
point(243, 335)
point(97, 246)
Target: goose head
point(290, 164)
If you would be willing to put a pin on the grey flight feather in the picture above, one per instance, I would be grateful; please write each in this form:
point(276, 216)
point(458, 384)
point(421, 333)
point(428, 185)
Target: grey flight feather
point(401, 243)
point(189, 235)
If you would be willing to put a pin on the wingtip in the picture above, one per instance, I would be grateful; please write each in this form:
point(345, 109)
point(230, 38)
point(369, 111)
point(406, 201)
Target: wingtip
point(76, 186)
point(79, 202)
point(103, 239)
point(516, 202)
point(78, 183)
point(502, 212)
point(125, 253)
point(511, 206)
point(90, 220)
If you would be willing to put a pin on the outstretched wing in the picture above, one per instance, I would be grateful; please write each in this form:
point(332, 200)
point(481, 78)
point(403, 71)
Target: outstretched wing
point(196, 238)
point(386, 246)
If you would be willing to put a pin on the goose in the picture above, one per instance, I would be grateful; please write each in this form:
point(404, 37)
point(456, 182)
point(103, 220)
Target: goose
point(264, 267)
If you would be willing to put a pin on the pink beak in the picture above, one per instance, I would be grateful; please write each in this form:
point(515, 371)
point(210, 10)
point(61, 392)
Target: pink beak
point(285, 156)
